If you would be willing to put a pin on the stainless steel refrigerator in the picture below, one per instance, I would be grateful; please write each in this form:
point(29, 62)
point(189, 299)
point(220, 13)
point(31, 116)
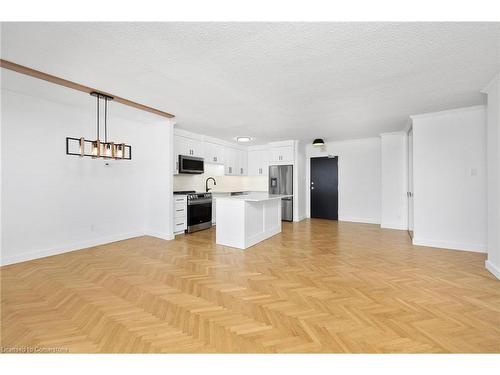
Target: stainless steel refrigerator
point(281, 182)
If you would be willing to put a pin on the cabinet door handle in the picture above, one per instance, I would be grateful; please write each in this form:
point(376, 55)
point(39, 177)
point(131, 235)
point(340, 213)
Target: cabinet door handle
point(180, 210)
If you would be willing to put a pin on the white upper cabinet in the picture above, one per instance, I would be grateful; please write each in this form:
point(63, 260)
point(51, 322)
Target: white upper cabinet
point(214, 153)
point(242, 163)
point(188, 146)
point(231, 161)
point(251, 161)
point(279, 154)
point(258, 162)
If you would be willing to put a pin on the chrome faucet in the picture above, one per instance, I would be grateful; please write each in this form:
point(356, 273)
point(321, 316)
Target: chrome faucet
point(206, 183)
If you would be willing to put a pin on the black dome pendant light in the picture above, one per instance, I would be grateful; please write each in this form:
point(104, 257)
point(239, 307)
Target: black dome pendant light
point(318, 142)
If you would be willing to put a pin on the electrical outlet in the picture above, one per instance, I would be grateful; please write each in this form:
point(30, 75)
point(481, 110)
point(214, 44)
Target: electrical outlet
point(473, 172)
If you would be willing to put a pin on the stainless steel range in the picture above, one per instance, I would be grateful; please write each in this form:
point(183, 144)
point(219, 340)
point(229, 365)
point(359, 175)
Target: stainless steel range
point(199, 211)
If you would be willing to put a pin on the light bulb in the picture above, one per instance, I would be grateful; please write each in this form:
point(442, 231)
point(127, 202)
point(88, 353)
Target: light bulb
point(82, 146)
point(96, 149)
point(107, 150)
point(119, 151)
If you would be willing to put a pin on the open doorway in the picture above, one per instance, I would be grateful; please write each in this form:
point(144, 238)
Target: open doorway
point(324, 188)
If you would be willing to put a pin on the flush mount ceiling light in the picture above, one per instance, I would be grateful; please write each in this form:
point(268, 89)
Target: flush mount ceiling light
point(97, 149)
point(243, 139)
point(318, 142)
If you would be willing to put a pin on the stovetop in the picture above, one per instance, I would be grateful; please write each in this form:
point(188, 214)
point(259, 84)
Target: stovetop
point(184, 192)
point(191, 194)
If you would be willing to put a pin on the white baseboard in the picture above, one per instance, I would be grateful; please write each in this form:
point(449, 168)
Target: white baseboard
point(364, 220)
point(477, 248)
point(37, 254)
point(302, 217)
point(493, 269)
point(394, 225)
point(162, 235)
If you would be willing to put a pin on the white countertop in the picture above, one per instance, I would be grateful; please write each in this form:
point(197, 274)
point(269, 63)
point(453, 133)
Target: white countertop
point(236, 191)
point(256, 197)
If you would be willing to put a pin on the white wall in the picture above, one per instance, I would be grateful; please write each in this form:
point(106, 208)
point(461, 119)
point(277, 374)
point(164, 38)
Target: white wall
point(301, 190)
point(359, 164)
point(53, 203)
point(493, 165)
point(394, 202)
point(449, 159)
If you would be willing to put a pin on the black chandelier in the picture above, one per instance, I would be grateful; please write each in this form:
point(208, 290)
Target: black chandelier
point(97, 149)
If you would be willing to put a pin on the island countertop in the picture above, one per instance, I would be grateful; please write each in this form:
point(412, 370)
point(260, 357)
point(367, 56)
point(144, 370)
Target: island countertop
point(255, 197)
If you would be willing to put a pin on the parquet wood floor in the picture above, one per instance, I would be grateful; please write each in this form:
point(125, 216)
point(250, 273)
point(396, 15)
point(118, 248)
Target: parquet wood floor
point(320, 286)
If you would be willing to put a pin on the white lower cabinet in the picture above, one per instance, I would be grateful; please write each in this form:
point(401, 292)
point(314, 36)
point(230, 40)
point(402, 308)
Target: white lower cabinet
point(180, 213)
point(214, 204)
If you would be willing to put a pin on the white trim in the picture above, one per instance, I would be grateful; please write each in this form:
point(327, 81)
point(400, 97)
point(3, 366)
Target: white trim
point(491, 83)
point(300, 218)
point(363, 220)
point(493, 269)
point(477, 248)
point(68, 248)
point(393, 225)
point(399, 132)
point(209, 139)
point(448, 111)
point(162, 235)
point(408, 125)
point(37, 254)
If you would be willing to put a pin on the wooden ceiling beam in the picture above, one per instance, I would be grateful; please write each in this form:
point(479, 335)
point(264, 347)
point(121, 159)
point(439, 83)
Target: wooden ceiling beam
point(76, 86)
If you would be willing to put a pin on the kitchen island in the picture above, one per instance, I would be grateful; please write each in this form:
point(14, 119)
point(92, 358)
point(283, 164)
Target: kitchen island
point(245, 220)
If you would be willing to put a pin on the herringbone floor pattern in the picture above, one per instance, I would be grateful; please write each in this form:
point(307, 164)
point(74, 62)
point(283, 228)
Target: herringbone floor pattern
point(320, 286)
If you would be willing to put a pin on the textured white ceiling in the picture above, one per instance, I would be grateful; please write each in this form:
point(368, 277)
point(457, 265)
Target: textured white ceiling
point(271, 81)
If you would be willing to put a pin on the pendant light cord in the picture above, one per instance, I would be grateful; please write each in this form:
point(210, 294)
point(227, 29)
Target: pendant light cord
point(106, 119)
point(97, 100)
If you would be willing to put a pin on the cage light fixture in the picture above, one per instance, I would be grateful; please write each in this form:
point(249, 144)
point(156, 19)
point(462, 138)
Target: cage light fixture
point(97, 148)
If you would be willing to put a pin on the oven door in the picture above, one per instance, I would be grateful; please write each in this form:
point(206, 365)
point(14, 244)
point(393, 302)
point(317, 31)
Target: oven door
point(199, 215)
point(191, 165)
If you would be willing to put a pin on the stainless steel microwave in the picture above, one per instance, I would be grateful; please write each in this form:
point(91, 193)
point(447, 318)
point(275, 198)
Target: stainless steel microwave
point(191, 164)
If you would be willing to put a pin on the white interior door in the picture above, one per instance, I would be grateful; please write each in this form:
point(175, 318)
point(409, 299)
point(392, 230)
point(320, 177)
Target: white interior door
point(410, 182)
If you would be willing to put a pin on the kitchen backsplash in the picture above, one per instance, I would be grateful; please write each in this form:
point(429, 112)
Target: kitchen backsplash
point(224, 183)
